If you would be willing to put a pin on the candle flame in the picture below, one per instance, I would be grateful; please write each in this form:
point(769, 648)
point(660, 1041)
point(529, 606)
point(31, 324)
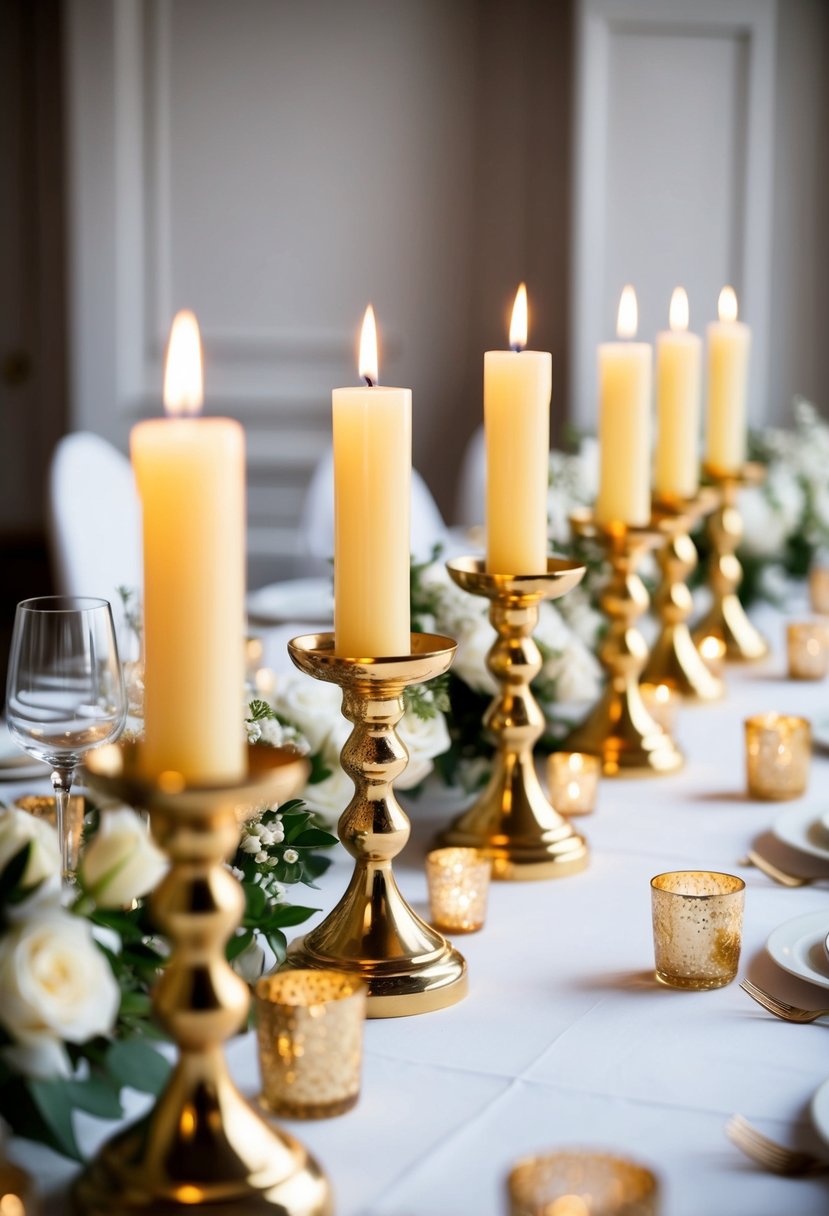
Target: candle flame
point(727, 304)
point(627, 319)
point(519, 323)
point(368, 366)
point(678, 313)
point(183, 391)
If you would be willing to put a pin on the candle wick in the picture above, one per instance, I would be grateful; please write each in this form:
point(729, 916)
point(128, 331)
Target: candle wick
point(517, 347)
point(369, 381)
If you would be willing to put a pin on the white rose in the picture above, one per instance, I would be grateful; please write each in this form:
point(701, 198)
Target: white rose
point(18, 828)
point(122, 862)
point(575, 672)
point(474, 643)
point(250, 964)
point(765, 527)
point(423, 738)
point(312, 705)
point(331, 796)
point(56, 985)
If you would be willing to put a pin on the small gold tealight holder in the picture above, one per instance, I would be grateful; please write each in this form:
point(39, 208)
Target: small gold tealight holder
point(619, 729)
point(674, 659)
point(778, 753)
point(727, 618)
point(513, 821)
point(581, 1182)
point(819, 590)
point(372, 933)
point(573, 779)
point(807, 647)
point(309, 1027)
point(202, 1144)
point(697, 928)
point(458, 888)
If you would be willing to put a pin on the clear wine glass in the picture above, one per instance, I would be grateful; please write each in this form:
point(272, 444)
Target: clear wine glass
point(65, 692)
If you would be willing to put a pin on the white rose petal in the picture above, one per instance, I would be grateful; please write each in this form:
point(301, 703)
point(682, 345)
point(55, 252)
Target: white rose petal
point(423, 738)
point(312, 705)
point(474, 643)
point(41, 1056)
point(123, 862)
point(250, 843)
point(250, 963)
point(18, 828)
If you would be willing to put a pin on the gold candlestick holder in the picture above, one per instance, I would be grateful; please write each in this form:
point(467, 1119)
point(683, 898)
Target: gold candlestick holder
point(674, 658)
point(727, 618)
point(407, 965)
point(620, 730)
point(202, 1145)
point(513, 820)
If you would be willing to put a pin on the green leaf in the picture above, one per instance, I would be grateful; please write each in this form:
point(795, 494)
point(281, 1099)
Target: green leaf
point(13, 872)
point(96, 1095)
point(290, 914)
point(314, 838)
point(135, 1063)
point(54, 1106)
point(278, 942)
point(319, 770)
point(255, 902)
point(237, 944)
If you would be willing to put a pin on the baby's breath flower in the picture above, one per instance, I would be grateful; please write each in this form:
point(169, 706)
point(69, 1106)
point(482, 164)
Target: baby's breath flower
point(254, 732)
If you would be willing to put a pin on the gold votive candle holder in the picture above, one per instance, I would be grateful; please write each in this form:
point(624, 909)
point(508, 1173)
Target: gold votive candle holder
point(577, 1182)
point(697, 928)
point(309, 1026)
point(573, 779)
point(819, 589)
point(661, 703)
point(458, 881)
point(807, 647)
point(778, 753)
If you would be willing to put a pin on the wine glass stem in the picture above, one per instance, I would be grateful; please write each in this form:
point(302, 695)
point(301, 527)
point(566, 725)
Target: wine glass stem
point(62, 785)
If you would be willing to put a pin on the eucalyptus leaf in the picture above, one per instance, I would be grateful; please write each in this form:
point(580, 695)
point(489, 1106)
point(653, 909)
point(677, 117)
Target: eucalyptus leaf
point(135, 1063)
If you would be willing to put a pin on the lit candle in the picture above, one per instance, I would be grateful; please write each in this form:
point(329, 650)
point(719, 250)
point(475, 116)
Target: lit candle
point(517, 388)
point(372, 493)
point(191, 479)
point(678, 367)
point(624, 423)
point(729, 343)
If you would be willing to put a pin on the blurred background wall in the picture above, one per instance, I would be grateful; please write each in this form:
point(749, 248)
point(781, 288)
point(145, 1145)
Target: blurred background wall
point(276, 165)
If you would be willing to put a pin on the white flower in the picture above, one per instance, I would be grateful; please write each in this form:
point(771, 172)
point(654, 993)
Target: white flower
point(123, 862)
point(277, 833)
point(474, 642)
point(254, 732)
point(265, 835)
point(765, 528)
point(250, 963)
point(276, 734)
point(250, 843)
point(260, 858)
point(331, 796)
point(423, 738)
point(18, 828)
point(290, 855)
point(312, 705)
point(56, 985)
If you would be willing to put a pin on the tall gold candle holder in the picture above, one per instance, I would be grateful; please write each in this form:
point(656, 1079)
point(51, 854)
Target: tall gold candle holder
point(202, 1145)
point(620, 729)
point(407, 965)
point(513, 820)
point(674, 659)
point(727, 618)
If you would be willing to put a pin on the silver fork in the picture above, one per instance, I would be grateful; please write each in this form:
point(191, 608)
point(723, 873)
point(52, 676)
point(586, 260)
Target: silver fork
point(768, 1153)
point(789, 1013)
point(774, 872)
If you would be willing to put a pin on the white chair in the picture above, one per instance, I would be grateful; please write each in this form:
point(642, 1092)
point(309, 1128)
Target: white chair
point(94, 520)
point(316, 524)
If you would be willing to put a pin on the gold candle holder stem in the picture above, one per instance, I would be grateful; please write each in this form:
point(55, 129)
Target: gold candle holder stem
point(407, 965)
point(513, 820)
point(202, 1144)
point(727, 618)
point(620, 730)
point(674, 659)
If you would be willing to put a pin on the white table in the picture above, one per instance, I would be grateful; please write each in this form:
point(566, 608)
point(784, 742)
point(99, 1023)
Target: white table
point(565, 1038)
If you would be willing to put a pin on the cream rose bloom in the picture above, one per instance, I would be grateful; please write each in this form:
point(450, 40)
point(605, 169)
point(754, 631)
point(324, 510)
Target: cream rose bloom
point(18, 828)
point(474, 643)
point(57, 986)
point(122, 862)
point(423, 738)
point(312, 705)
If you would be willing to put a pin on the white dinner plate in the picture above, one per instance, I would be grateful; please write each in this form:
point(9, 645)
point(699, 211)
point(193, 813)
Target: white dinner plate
point(797, 947)
point(298, 599)
point(804, 828)
point(820, 1111)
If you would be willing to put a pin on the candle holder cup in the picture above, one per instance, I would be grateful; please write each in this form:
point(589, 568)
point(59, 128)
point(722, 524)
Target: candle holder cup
point(407, 966)
point(202, 1143)
point(674, 659)
point(727, 618)
point(513, 821)
point(620, 730)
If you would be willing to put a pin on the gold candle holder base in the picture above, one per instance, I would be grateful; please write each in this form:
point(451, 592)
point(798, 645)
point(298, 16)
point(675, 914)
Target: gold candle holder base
point(674, 659)
point(202, 1145)
point(513, 820)
point(727, 618)
point(407, 965)
point(620, 730)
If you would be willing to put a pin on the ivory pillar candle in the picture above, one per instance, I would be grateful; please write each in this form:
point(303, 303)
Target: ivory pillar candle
point(729, 343)
point(517, 389)
point(624, 424)
point(372, 495)
point(678, 376)
point(190, 473)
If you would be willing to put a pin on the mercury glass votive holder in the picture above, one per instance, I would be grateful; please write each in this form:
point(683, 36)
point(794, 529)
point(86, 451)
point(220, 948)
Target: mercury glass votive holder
point(661, 703)
point(697, 928)
point(807, 647)
point(573, 778)
point(309, 1028)
point(778, 752)
point(576, 1182)
point(819, 589)
point(458, 880)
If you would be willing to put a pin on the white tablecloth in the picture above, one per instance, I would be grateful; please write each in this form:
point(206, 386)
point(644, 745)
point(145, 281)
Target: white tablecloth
point(565, 1038)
